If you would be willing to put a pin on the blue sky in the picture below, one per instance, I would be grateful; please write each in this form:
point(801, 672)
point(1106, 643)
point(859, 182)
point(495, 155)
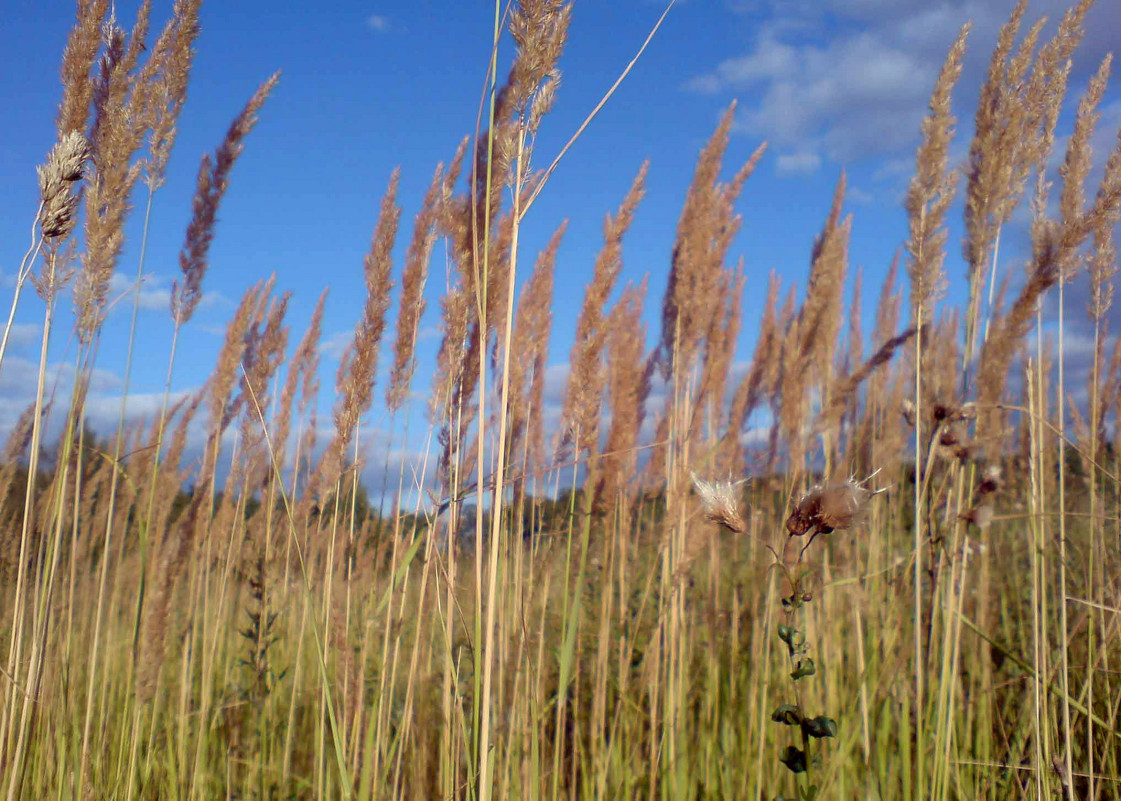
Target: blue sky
point(366, 87)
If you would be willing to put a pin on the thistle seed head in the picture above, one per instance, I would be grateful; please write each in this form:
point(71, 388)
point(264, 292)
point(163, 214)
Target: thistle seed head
point(719, 501)
point(828, 507)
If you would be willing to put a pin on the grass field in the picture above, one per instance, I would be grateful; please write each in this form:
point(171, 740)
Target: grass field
point(908, 588)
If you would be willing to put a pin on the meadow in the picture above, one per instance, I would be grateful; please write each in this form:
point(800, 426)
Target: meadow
point(906, 588)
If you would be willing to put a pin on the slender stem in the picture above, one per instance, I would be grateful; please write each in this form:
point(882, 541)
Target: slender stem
point(21, 276)
point(95, 650)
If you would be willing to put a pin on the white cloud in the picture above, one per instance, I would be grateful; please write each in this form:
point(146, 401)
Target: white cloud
point(855, 194)
point(853, 97)
point(154, 295)
point(24, 335)
point(768, 60)
point(798, 163)
point(377, 22)
point(850, 79)
point(19, 378)
point(334, 345)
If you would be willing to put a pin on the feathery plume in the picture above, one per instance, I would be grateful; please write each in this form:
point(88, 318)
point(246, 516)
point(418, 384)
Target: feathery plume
point(756, 383)
point(828, 507)
point(413, 279)
point(705, 231)
point(932, 190)
point(719, 501)
point(58, 178)
point(77, 62)
point(211, 185)
point(303, 359)
point(583, 392)
point(173, 55)
point(628, 385)
point(530, 340)
point(361, 367)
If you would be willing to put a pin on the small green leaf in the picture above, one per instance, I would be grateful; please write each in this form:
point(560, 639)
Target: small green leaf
point(794, 759)
point(788, 714)
point(787, 634)
point(808, 793)
point(803, 669)
point(820, 726)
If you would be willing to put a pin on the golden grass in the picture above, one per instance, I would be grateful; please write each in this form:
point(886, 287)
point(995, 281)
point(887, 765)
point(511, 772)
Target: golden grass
point(627, 616)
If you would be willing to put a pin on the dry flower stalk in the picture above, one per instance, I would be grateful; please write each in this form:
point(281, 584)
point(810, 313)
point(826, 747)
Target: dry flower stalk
point(530, 340)
point(58, 178)
point(413, 279)
point(213, 179)
point(932, 190)
point(628, 385)
point(584, 390)
point(705, 231)
point(358, 371)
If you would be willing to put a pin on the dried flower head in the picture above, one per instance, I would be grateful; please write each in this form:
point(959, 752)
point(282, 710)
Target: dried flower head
point(719, 501)
point(63, 168)
point(980, 515)
point(991, 480)
point(828, 507)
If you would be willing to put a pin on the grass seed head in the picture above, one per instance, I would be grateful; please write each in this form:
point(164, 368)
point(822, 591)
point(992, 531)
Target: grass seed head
point(828, 507)
point(719, 501)
point(63, 169)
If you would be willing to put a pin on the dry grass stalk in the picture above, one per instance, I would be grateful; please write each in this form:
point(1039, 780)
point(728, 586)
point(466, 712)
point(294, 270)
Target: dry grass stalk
point(819, 321)
point(1046, 86)
point(221, 409)
point(854, 341)
point(719, 350)
point(58, 190)
point(786, 352)
point(357, 387)
point(756, 384)
point(413, 279)
point(999, 155)
point(172, 546)
point(119, 126)
point(931, 191)
point(213, 179)
point(530, 340)
point(1055, 244)
point(879, 420)
point(1076, 165)
point(845, 390)
point(810, 343)
point(705, 231)
point(628, 385)
point(15, 446)
point(584, 391)
point(264, 352)
point(304, 360)
point(173, 55)
point(77, 62)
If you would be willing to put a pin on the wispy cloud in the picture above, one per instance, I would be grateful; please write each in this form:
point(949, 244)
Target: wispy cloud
point(850, 79)
point(155, 293)
point(798, 163)
point(378, 23)
point(24, 335)
point(851, 97)
point(334, 345)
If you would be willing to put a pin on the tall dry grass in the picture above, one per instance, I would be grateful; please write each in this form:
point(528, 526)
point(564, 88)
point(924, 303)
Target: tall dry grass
point(908, 590)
